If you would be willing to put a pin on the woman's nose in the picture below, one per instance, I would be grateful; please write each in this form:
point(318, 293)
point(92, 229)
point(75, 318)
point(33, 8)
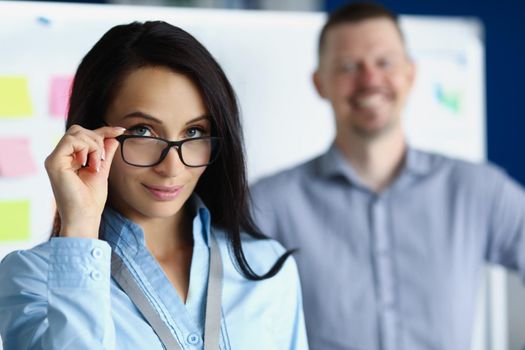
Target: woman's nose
point(171, 165)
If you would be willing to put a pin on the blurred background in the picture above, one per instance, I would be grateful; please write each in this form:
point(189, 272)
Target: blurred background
point(504, 49)
point(504, 73)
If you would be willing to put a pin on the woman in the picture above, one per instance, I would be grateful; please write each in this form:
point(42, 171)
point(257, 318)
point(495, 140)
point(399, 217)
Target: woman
point(151, 193)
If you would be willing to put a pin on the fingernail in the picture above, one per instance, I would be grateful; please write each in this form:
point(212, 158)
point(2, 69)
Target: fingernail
point(118, 128)
point(103, 155)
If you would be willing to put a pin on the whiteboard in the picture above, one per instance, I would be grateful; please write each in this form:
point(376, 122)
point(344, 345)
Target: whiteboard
point(269, 57)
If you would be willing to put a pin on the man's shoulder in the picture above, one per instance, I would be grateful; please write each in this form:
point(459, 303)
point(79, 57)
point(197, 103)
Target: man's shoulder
point(458, 167)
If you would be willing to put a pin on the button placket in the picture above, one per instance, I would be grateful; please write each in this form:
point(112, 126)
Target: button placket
point(384, 271)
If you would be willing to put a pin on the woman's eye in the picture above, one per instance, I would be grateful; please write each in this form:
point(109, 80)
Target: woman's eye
point(139, 130)
point(194, 132)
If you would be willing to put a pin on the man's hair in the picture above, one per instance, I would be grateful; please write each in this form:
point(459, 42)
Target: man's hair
point(356, 12)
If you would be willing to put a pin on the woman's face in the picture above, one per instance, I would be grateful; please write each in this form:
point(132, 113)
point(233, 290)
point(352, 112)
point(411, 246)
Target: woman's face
point(155, 101)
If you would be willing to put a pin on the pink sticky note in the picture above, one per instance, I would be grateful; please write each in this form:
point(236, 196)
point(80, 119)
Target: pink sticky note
point(59, 96)
point(16, 158)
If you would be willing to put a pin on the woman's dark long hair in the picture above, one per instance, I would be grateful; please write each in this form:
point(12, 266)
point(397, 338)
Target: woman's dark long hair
point(223, 186)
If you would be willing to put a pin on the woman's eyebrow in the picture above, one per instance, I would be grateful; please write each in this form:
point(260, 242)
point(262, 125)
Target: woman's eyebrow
point(207, 117)
point(142, 115)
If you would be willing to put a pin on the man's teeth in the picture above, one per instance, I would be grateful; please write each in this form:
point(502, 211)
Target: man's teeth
point(369, 101)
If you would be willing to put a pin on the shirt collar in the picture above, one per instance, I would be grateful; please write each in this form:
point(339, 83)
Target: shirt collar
point(121, 232)
point(417, 162)
point(201, 220)
point(334, 164)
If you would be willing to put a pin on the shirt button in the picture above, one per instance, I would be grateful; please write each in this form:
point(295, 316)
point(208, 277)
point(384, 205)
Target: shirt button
point(97, 253)
point(95, 275)
point(193, 339)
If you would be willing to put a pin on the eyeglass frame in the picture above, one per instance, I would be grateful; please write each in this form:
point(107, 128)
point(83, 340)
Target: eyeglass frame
point(169, 145)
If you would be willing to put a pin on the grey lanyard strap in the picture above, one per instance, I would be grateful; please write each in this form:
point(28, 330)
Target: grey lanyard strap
point(212, 327)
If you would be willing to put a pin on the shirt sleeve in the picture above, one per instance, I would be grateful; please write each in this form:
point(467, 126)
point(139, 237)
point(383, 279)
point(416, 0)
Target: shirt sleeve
point(57, 296)
point(506, 244)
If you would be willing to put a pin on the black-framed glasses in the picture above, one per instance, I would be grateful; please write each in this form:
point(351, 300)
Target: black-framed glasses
point(148, 151)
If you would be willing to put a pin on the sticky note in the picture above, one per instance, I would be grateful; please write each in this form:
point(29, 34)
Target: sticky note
point(16, 158)
point(449, 98)
point(15, 101)
point(14, 220)
point(59, 96)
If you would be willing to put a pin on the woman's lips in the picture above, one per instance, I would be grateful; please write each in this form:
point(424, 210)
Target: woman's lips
point(164, 193)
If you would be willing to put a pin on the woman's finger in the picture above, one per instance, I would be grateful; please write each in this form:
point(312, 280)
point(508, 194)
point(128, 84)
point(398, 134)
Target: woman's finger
point(110, 131)
point(111, 146)
point(81, 158)
point(95, 149)
point(95, 157)
point(82, 147)
point(88, 136)
point(94, 160)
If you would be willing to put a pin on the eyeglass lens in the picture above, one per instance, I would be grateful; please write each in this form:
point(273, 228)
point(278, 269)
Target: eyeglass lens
point(148, 151)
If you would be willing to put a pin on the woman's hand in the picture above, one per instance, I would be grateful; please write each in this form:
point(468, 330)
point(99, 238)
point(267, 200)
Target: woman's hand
point(78, 169)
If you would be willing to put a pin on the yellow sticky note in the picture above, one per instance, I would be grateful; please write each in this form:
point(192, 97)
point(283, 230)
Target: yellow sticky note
point(14, 220)
point(15, 101)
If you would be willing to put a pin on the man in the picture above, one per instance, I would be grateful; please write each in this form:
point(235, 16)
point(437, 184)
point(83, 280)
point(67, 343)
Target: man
point(392, 241)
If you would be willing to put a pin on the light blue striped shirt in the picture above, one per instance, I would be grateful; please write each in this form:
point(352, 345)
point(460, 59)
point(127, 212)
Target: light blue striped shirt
point(398, 270)
point(59, 295)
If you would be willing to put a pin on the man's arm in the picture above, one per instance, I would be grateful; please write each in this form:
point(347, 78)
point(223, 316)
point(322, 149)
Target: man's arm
point(506, 240)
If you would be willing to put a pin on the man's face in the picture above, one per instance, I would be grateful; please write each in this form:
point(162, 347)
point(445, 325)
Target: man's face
point(366, 75)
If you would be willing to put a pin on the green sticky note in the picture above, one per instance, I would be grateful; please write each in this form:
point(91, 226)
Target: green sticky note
point(449, 98)
point(14, 220)
point(14, 97)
